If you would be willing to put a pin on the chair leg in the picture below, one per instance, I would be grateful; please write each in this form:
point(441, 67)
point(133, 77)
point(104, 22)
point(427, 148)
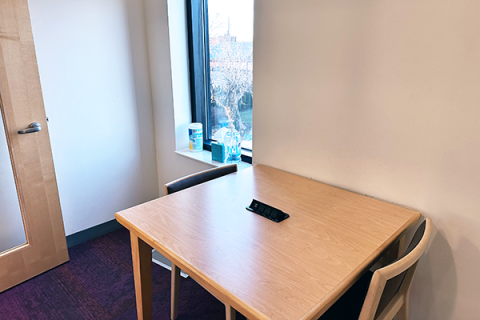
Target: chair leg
point(403, 312)
point(175, 291)
point(230, 312)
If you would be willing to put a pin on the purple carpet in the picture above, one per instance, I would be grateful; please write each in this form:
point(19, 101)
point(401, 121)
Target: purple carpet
point(97, 283)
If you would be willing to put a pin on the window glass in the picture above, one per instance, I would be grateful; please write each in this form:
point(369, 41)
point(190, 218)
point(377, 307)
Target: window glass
point(230, 40)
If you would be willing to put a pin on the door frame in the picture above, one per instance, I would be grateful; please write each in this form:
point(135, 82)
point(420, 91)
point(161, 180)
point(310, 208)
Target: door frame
point(21, 103)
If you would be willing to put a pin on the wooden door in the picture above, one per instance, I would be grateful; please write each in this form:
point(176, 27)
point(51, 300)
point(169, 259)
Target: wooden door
point(21, 104)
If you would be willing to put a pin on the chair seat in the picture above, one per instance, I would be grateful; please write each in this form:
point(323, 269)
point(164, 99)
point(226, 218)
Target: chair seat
point(349, 305)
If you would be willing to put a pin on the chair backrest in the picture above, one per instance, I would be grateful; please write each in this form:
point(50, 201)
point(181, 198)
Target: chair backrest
point(390, 285)
point(197, 178)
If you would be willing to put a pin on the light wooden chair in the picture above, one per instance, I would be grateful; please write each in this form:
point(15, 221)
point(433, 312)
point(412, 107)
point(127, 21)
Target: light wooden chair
point(384, 294)
point(181, 184)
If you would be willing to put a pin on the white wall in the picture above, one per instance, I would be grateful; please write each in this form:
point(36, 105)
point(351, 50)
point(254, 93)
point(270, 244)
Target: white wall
point(382, 98)
point(94, 73)
point(168, 59)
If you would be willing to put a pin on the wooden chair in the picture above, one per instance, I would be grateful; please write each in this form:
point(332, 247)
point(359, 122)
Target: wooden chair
point(181, 184)
point(385, 293)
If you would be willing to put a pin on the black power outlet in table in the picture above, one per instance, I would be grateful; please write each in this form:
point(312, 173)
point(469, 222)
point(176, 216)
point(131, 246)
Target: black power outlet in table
point(267, 211)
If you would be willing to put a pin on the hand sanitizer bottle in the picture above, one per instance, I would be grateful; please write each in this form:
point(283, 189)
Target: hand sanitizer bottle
point(232, 144)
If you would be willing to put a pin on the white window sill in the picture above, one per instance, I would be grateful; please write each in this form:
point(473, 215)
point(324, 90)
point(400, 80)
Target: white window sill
point(206, 157)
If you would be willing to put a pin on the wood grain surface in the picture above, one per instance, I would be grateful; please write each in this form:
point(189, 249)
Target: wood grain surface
point(290, 270)
point(21, 102)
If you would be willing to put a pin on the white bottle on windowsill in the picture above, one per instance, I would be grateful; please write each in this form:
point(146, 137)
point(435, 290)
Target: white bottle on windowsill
point(195, 137)
point(233, 144)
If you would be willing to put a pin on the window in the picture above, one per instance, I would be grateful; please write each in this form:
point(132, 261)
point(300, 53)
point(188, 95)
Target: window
point(221, 66)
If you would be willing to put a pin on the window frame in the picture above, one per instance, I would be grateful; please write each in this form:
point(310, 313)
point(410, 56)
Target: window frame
point(199, 67)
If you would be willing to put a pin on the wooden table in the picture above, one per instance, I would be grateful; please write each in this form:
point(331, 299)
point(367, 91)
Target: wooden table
point(295, 269)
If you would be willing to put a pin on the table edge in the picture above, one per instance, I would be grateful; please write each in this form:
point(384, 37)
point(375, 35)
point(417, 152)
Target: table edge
point(321, 307)
point(206, 282)
point(227, 296)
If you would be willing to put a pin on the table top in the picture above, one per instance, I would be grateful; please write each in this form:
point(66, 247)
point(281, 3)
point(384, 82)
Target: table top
point(294, 269)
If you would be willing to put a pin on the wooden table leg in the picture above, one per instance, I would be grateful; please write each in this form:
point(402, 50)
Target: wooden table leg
point(230, 312)
point(142, 274)
point(175, 291)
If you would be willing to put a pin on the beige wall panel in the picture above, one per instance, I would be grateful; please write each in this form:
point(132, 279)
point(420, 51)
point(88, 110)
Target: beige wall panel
point(382, 98)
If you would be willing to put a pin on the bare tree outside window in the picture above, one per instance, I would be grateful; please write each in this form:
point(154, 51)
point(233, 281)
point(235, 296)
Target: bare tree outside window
point(231, 65)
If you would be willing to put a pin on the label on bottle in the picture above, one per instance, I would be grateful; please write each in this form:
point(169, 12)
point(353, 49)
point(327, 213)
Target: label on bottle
point(196, 139)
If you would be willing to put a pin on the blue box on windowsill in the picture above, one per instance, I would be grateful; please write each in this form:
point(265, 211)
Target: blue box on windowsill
point(218, 152)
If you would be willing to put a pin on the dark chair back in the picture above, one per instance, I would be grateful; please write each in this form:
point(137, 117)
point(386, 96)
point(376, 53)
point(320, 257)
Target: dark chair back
point(198, 178)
